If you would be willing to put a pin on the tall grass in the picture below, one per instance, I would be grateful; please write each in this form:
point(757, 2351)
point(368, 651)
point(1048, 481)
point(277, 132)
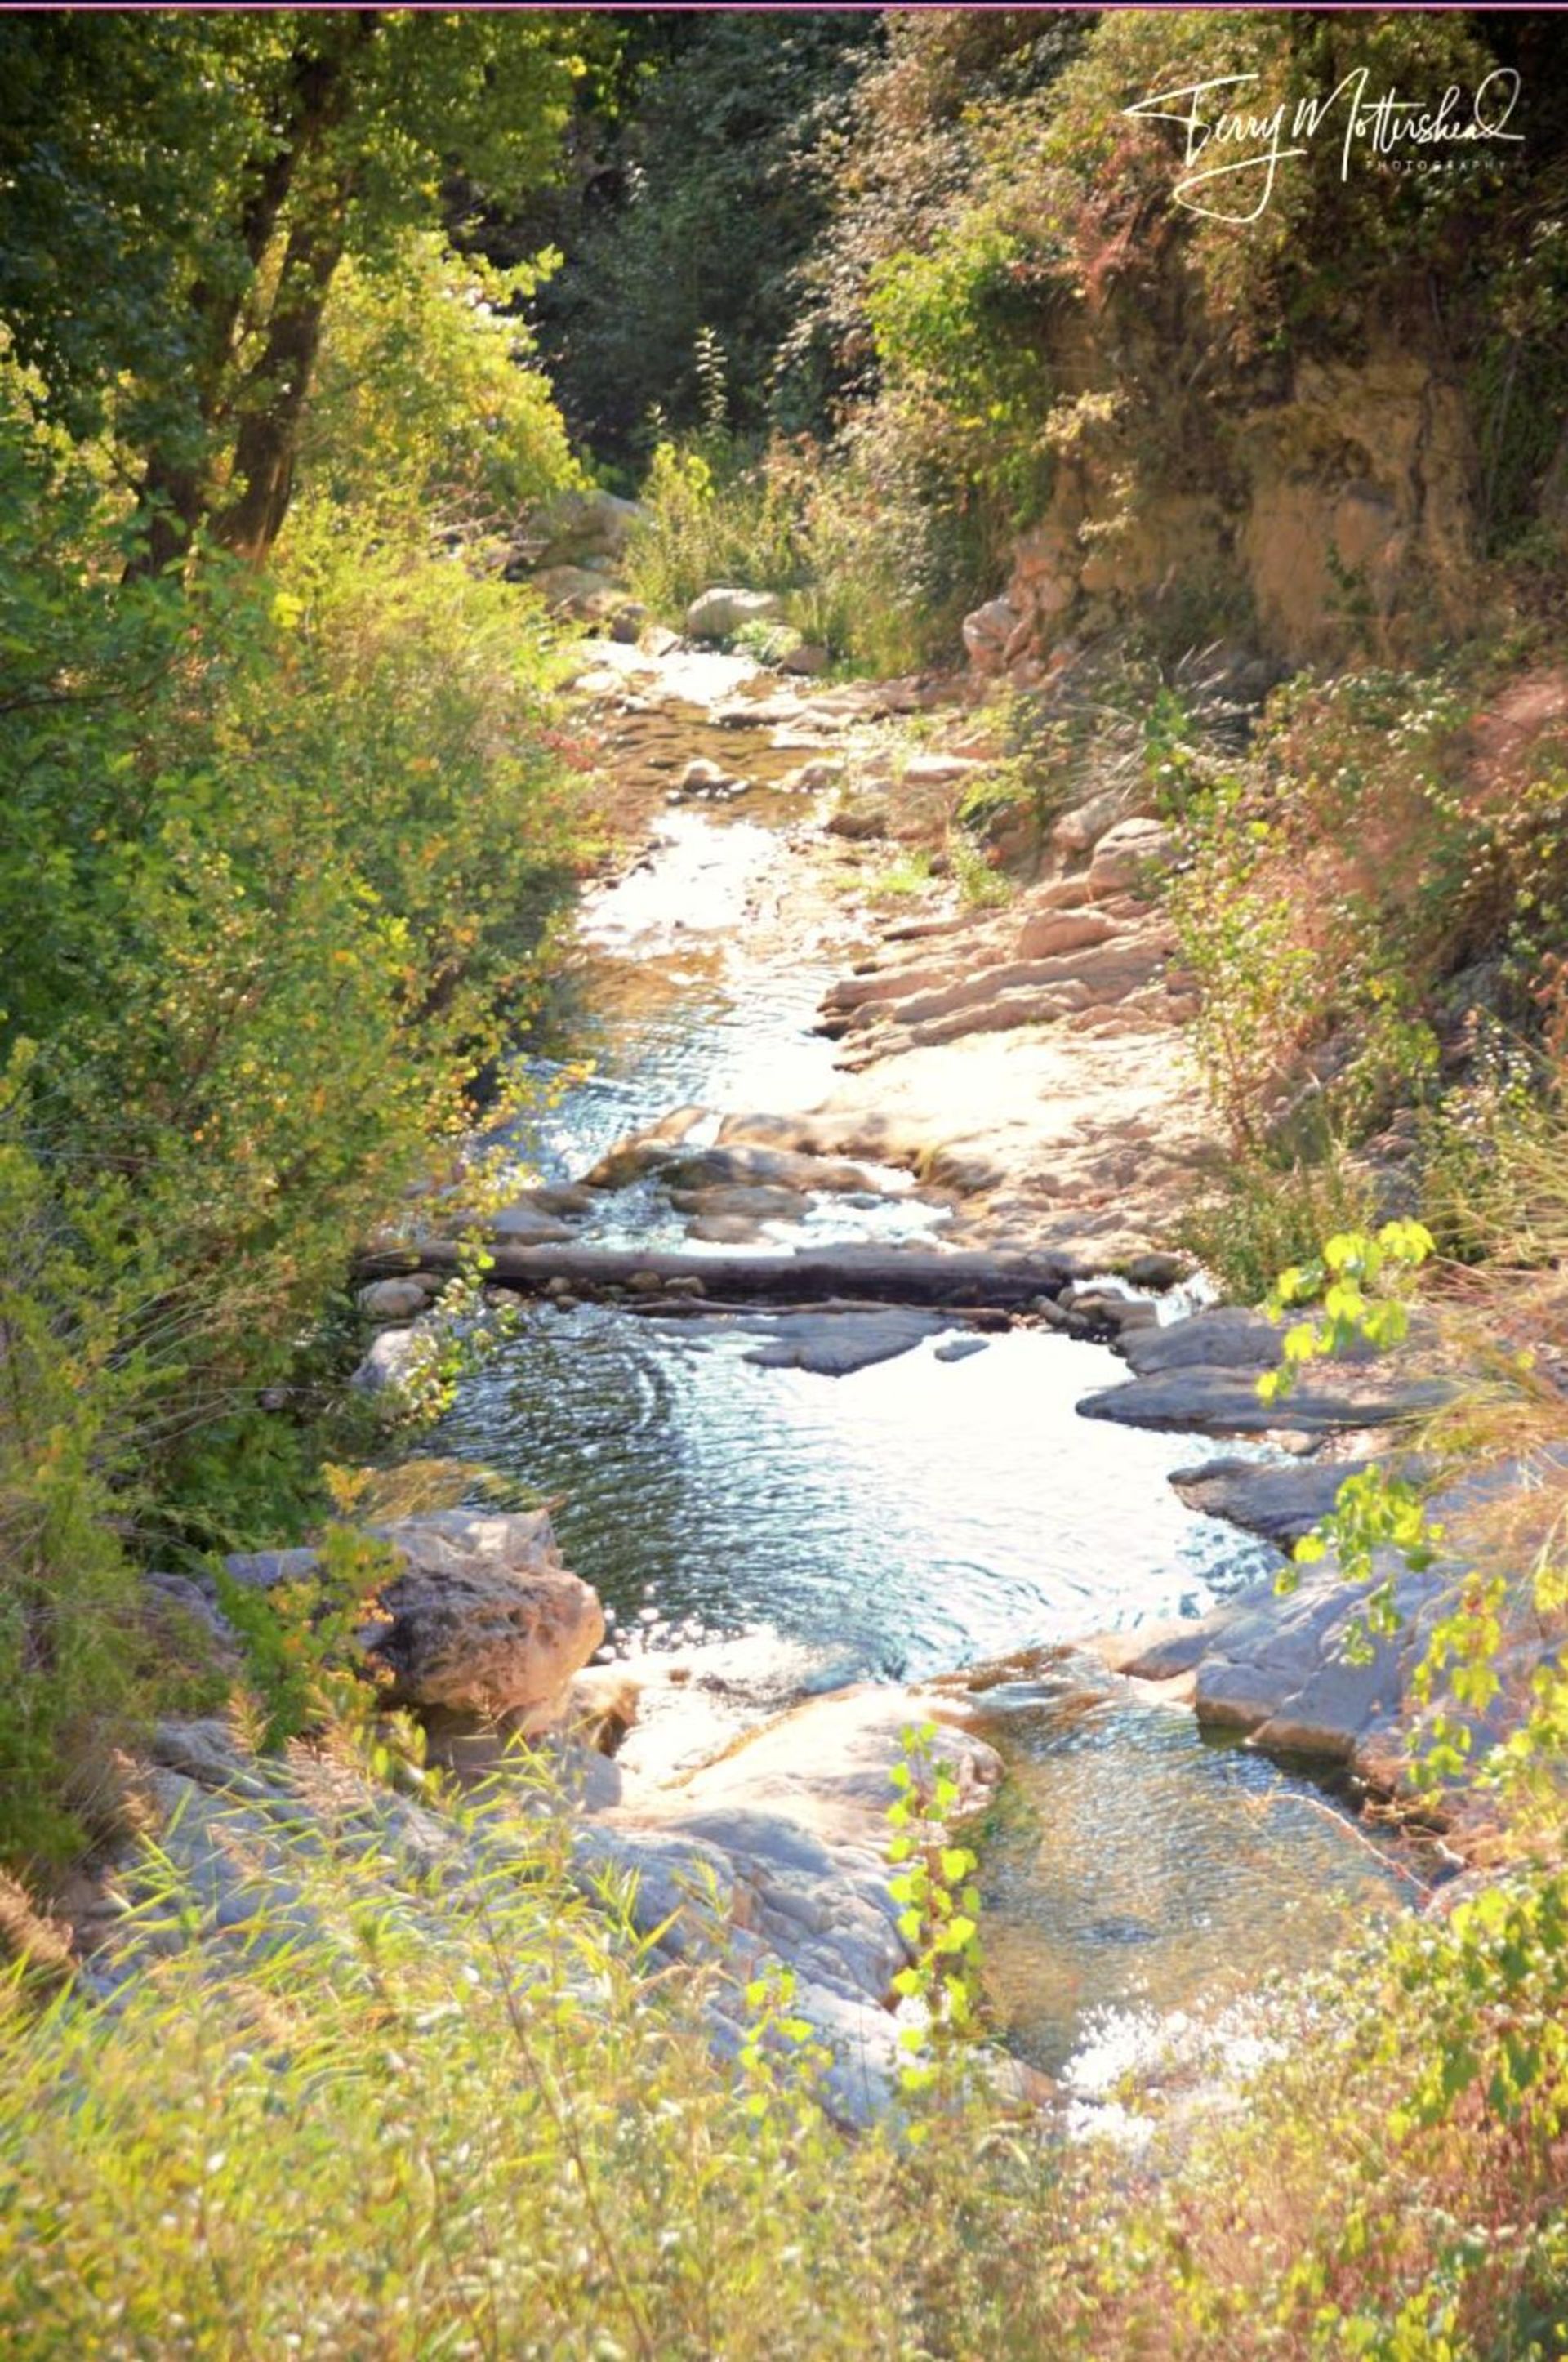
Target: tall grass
point(383, 2088)
point(791, 521)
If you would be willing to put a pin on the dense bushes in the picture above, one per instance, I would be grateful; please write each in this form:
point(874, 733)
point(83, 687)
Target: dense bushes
point(699, 198)
point(284, 852)
point(1370, 903)
point(995, 307)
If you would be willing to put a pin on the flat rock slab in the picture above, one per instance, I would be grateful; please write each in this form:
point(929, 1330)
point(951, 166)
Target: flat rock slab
point(1279, 1503)
point(959, 1348)
point(745, 1165)
point(1289, 1670)
point(788, 1834)
point(1223, 1339)
point(1206, 1401)
point(835, 1344)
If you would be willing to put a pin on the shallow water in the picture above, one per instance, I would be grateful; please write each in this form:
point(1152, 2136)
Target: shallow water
point(905, 1520)
point(908, 1518)
point(1132, 1866)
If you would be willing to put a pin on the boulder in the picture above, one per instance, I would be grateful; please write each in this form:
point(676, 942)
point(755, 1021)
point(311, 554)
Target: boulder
point(988, 633)
point(575, 590)
point(1081, 829)
point(641, 1153)
point(811, 778)
point(527, 1226)
point(393, 1299)
point(808, 660)
point(1052, 934)
point(485, 1618)
point(861, 823)
point(1224, 1338)
point(1129, 853)
point(961, 1349)
point(1293, 1673)
point(719, 613)
point(756, 1201)
point(704, 777)
point(787, 1832)
point(1156, 1267)
point(742, 1165)
point(388, 1363)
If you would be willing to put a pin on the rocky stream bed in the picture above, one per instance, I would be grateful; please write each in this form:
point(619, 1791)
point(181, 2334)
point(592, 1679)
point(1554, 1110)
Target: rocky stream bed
point(824, 1267)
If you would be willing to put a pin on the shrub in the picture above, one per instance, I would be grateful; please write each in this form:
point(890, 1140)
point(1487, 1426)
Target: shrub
point(1265, 1214)
point(286, 855)
point(788, 521)
point(426, 408)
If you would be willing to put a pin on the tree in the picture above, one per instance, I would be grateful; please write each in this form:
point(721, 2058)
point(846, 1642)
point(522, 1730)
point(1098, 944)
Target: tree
point(177, 194)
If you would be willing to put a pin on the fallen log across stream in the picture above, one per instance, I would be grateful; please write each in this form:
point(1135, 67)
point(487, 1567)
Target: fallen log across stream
point(912, 1275)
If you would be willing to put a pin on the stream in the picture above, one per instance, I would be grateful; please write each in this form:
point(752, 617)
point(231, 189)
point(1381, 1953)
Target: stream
point(907, 1520)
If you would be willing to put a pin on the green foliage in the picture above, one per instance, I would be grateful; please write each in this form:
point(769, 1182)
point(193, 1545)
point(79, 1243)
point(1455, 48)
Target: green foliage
point(980, 885)
point(453, 2110)
point(909, 873)
point(301, 1637)
point(1360, 1286)
point(967, 401)
point(75, 1659)
point(779, 522)
point(1350, 1284)
point(1269, 1210)
point(176, 197)
point(415, 2109)
point(1239, 936)
point(427, 406)
point(711, 520)
point(938, 1914)
point(286, 853)
point(707, 190)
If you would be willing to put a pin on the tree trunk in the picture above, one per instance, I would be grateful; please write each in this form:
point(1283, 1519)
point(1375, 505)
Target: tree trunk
point(272, 403)
point(176, 493)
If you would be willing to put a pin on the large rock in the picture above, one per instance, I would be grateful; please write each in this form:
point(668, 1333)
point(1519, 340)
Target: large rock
point(1281, 1501)
point(393, 1299)
point(836, 1344)
point(577, 591)
point(390, 1358)
point(719, 613)
point(484, 1618)
point(742, 1165)
point(1127, 855)
point(788, 1834)
point(1225, 1402)
point(1080, 830)
point(1291, 1672)
point(1226, 1337)
point(991, 633)
point(525, 1224)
